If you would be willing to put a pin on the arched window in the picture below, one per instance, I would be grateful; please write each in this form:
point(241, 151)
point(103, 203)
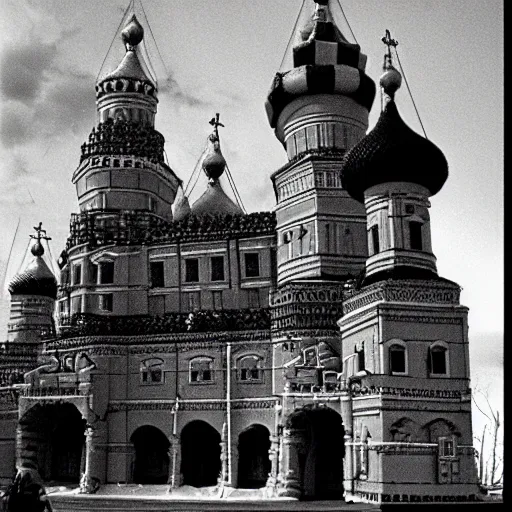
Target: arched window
point(438, 361)
point(249, 369)
point(397, 358)
point(151, 371)
point(201, 370)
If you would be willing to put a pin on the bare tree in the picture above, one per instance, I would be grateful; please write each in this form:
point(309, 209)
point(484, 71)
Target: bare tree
point(490, 470)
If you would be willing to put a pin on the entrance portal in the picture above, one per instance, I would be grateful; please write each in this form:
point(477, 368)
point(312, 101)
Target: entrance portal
point(200, 454)
point(151, 456)
point(253, 459)
point(318, 438)
point(52, 440)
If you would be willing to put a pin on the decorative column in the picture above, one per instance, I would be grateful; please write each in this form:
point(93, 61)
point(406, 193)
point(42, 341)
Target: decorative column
point(290, 484)
point(95, 463)
point(346, 415)
point(175, 463)
point(223, 457)
point(274, 453)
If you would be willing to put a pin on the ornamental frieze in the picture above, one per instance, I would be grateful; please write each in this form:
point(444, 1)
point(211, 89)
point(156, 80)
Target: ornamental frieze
point(403, 449)
point(428, 319)
point(189, 406)
point(429, 292)
point(449, 394)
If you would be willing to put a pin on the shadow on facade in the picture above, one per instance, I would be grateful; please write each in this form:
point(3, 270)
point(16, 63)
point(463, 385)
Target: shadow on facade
point(151, 464)
point(200, 454)
point(317, 436)
point(253, 459)
point(51, 439)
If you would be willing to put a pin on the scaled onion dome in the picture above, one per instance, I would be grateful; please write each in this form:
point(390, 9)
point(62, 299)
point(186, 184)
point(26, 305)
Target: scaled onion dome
point(214, 200)
point(324, 62)
point(36, 279)
point(393, 152)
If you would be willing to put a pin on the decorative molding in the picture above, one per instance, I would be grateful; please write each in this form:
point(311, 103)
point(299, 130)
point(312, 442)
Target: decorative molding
point(424, 498)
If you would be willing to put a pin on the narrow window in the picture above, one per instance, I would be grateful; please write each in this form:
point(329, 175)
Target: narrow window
point(446, 447)
point(156, 270)
point(438, 360)
point(374, 232)
point(76, 304)
point(252, 264)
point(151, 371)
point(253, 298)
point(217, 299)
point(201, 370)
point(328, 237)
point(77, 274)
point(93, 273)
point(191, 270)
point(415, 235)
point(250, 369)
point(193, 300)
point(106, 272)
point(106, 302)
point(217, 266)
point(360, 358)
point(397, 359)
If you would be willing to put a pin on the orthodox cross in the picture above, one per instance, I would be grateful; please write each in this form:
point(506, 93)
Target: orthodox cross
point(389, 42)
point(216, 123)
point(39, 235)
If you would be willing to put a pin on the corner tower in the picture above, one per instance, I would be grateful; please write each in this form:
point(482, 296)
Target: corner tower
point(319, 110)
point(122, 163)
point(404, 331)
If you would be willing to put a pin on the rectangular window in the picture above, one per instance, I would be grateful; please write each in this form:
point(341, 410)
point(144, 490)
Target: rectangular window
point(374, 233)
point(106, 272)
point(217, 263)
point(446, 447)
point(191, 270)
point(360, 359)
point(156, 271)
point(252, 264)
point(273, 263)
point(415, 235)
point(77, 274)
point(201, 370)
point(76, 304)
point(438, 361)
point(93, 273)
point(106, 302)
point(253, 298)
point(217, 299)
point(397, 359)
point(193, 300)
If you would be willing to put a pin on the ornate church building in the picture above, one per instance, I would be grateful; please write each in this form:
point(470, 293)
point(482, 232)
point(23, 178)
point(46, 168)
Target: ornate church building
point(312, 352)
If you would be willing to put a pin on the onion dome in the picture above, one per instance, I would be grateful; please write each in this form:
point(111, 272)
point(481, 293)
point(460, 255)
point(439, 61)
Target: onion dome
point(324, 62)
point(214, 202)
point(130, 75)
point(214, 162)
point(393, 152)
point(36, 279)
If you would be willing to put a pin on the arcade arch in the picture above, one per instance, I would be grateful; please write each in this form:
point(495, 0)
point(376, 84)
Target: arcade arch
point(151, 465)
point(253, 457)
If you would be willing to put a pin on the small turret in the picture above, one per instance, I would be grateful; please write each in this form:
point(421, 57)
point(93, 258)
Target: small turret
point(33, 293)
point(394, 171)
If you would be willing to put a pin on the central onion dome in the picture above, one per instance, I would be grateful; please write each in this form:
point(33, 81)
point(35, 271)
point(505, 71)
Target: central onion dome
point(37, 279)
point(392, 151)
point(214, 200)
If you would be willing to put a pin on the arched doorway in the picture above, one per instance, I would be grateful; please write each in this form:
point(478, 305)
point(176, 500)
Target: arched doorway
point(253, 459)
point(151, 464)
point(200, 454)
point(319, 440)
point(52, 440)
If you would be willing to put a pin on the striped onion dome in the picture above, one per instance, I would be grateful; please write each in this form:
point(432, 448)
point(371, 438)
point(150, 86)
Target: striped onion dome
point(36, 279)
point(324, 62)
point(393, 152)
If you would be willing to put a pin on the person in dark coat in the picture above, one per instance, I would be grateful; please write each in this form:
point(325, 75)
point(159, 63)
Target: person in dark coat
point(26, 493)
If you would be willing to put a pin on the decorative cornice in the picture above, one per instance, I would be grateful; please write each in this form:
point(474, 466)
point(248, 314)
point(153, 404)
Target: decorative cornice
point(144, 228)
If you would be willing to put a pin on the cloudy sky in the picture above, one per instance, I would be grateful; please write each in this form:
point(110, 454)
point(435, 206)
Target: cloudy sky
point(221, 57)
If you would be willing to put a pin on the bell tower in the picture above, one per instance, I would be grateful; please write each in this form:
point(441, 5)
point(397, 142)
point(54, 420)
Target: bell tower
point(319, 110)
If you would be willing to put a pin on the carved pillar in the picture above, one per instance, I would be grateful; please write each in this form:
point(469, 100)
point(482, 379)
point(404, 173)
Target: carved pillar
point(174, 463)
point(223, 456)
point(95, 463)
point(289, 474)
point(274, 468)
point(346, 415)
